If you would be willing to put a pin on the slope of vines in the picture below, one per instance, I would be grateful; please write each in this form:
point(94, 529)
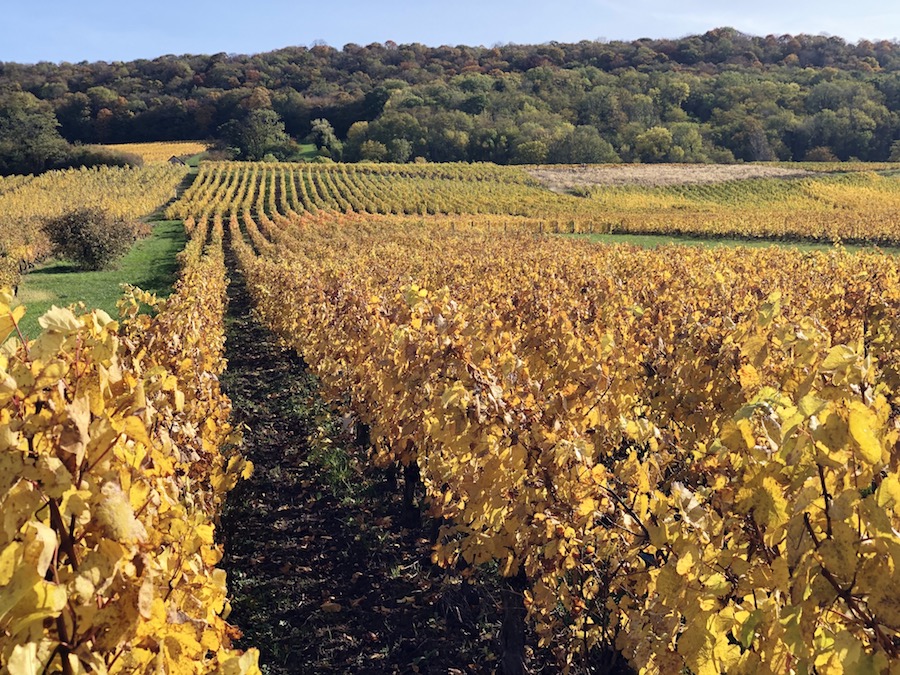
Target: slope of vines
point(689, 455)
point(857, 207)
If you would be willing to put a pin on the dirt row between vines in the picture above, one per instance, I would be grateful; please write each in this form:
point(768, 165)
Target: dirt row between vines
point(323, 574)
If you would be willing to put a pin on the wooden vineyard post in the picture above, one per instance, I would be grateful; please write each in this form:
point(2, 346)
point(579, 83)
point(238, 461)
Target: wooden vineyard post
point(512, 631)
point(411, 480)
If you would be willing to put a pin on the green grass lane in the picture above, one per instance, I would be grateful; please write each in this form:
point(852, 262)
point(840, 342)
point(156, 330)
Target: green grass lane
point(150, 264)
point(308, 152)
point(654, 240)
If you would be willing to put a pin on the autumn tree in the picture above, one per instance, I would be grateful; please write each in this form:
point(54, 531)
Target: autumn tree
point(261, 132)
point(29, 139)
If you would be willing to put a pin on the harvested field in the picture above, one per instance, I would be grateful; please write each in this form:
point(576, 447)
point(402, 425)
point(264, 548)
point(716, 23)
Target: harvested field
point(564, 178)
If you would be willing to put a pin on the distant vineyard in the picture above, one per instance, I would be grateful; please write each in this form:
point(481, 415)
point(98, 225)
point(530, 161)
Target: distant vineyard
point(25, 201)
point(161, 152)
point(855, 207)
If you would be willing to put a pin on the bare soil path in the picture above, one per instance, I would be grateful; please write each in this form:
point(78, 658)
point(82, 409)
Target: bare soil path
point(324, 577)
point(565, 177)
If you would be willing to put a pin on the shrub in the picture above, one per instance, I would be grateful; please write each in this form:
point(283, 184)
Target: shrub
point(91, 237)
point(820, 154)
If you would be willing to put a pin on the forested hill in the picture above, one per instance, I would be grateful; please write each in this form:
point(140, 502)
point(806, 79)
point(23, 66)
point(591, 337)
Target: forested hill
point(714, 97)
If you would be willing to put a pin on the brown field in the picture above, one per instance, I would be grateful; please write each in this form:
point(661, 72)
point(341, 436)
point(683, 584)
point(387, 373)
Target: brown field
point(564, 178)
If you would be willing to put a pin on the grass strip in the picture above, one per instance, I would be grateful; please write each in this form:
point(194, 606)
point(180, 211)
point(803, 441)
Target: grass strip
point(150, 264)
point(654, 240)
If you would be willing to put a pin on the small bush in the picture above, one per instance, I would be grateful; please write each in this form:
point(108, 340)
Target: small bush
point(90, 237)
point(820, 154)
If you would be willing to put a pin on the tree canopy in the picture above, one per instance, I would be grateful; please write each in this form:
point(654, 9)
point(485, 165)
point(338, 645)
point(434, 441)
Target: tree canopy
point(720, 96)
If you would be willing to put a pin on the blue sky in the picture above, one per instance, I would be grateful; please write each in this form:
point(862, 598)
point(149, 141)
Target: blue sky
point(110, 31)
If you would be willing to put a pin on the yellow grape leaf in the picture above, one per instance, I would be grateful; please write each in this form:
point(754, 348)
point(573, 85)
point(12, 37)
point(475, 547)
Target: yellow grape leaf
point(243, 664)
point(849, 655)
point(9, 319)
point(10, 560)
point(134, 428)
point(748, 376)
point(696, 645)
point(76, 434)
point(770, 309)
point(587, 507)
point(748, 628)
point(863, 428)
point(669, 584)
point(884, 596)
point(838, 357)
point(11, 464)
point(454, 395)
point(24, 660)
point(205, 533)
point(685, 563)
point(888, 493)
point(36, 598)
point(840, 551)
point(717, 584)
point(40, 545)
point(810, 405)
point(59, 320)
point(754, 349)
point(766, 501)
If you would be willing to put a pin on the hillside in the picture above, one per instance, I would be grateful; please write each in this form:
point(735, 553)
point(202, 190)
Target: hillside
point(721, 96)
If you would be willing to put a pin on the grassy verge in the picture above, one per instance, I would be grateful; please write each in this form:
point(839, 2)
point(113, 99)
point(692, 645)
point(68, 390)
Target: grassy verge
point(308, 151)
point(653, 240)
point(194, 160)
point(150, 264)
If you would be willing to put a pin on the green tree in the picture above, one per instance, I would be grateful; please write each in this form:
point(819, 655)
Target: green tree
point(260, 133)
point(374, 151)
point(581, 145)
point(29, 139)
point(91, 238)
point(530, 152)
point(399, 150)
point(654, 145)
point(324, 137)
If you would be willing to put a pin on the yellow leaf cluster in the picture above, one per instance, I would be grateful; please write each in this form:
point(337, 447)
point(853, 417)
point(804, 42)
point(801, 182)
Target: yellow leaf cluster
point(112, 477)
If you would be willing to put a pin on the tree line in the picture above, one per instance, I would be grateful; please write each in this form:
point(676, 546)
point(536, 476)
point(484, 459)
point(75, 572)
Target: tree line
point(721, 96)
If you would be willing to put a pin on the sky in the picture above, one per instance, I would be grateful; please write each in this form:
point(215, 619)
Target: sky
point(103, 30)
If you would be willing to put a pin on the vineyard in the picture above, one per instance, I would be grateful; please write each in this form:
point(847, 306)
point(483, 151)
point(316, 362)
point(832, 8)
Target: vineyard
point(687, 456)
point(854, 207)
point(26, 201)
point(115, 463)
point(161, 152)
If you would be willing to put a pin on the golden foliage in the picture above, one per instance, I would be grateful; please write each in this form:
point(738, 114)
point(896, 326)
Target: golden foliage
point(111, 438)
point(26, 201)
point(856, 207)
point(160, 152)
point(691, 453)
